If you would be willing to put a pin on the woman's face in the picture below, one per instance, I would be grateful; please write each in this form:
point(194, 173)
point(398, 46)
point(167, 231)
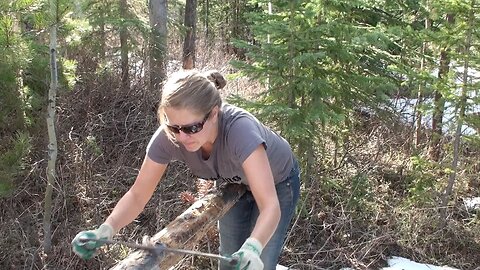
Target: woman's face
point(191, 130)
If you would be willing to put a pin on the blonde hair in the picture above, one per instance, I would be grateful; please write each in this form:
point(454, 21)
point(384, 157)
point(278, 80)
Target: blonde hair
point(192, 90)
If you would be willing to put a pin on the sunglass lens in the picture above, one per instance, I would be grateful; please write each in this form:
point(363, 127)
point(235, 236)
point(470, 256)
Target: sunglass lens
point(192, 129)
point(174, 129)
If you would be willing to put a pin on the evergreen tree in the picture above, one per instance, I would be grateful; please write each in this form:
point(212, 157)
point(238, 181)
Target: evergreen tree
point(462, 84)
point(323, 60)
point(17, 102)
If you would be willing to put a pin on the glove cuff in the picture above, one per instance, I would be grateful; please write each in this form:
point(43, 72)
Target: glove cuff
point(105, 231)
point(253, 245)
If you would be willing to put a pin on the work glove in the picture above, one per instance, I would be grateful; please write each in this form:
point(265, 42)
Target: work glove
point(84, 244)
point(248, 255)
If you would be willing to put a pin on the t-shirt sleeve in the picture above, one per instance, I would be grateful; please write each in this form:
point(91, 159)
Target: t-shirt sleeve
point(160, 148)
point(244, 137)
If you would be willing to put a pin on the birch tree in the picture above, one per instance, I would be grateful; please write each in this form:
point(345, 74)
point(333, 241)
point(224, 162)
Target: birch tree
point(421, 86)
point(52, 139)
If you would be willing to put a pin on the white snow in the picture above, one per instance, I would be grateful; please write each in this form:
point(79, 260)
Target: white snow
point(472, 204)
point(399, 263)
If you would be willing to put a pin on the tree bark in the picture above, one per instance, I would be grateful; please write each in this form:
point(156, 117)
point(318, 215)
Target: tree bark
point(189, 42)
point(421, 86)
point(102, 34)
point(158, 42)
point(435, 148)
point(52, 139)
point(207, 10)
point(124, 44)
point(185, 231)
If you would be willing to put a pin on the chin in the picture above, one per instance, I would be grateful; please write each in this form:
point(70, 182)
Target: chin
point(191, 147)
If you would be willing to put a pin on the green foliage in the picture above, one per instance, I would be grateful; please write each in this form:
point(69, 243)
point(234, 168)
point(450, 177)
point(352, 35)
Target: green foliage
point(35, 85)
point(77, 28)
point(12, 161)
point(474, 140)
point(422, 181)
point(360, 192)
point(317, 66)
point(69, 67)
point(91, 28)
point(355, 193)
point(14, 57)
point(226, 20)
point(24, 65)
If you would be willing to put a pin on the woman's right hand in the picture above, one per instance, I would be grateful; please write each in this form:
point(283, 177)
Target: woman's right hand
point(248, 255)
point(85, 243)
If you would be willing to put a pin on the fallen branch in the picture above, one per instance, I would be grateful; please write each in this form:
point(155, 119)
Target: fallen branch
point(185, 231)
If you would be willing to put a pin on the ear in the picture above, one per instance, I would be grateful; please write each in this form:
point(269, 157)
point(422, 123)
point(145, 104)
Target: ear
point(215, 112)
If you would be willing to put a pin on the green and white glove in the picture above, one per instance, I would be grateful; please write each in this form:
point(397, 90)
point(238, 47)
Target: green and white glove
point(249, 255)
point(85, 245)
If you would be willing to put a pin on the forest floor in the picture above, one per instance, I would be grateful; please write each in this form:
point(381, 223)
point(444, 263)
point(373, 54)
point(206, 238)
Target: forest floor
point(371, 201)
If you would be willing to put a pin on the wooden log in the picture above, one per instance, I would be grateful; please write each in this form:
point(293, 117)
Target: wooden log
point(185, 231)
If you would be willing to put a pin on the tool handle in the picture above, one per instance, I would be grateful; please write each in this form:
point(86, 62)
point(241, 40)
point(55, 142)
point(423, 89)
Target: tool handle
point(233, 261)
point(162, 248)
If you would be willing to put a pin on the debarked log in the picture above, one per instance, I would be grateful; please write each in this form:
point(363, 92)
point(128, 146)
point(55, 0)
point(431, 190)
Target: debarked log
point(185, 231)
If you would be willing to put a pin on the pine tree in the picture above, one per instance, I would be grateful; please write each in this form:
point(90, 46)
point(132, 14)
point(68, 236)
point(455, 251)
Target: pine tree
point(16, 54)
point(323, 60)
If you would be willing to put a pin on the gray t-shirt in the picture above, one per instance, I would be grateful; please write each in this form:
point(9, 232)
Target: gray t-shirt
point(239, 134)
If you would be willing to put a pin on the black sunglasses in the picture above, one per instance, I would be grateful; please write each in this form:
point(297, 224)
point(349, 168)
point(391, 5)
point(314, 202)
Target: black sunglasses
point(189, 129)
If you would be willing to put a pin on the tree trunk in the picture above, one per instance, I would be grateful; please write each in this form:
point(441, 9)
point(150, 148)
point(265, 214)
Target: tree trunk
point(207, 7)
point(186, 230)
point(421, 86)
point(158, 42)
point(103, 36)
point(189, 42)
point(435, 148)
point(461, 116)
point(52, 144)
point(124, 44)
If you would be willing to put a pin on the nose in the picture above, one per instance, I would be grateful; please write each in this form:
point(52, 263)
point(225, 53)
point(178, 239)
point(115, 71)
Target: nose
point(182, 136)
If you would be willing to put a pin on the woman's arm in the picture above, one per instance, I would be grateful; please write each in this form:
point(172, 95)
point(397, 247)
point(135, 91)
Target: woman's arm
point(134, 201)
point(260, 180)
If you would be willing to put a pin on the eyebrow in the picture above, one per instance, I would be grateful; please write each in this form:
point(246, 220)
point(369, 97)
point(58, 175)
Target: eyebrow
point(204, 119)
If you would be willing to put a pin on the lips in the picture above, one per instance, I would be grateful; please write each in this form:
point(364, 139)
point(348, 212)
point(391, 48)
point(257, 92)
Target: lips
point(189, 144)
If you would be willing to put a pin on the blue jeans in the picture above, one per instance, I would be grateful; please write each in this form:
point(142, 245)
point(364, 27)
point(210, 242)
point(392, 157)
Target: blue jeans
point(237, 224)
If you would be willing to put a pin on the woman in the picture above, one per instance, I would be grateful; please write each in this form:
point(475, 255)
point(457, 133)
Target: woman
point(218, 142)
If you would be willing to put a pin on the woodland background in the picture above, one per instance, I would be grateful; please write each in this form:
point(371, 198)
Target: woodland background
point(80, 82)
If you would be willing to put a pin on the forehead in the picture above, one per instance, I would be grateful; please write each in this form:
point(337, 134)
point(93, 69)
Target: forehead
point(181, 117)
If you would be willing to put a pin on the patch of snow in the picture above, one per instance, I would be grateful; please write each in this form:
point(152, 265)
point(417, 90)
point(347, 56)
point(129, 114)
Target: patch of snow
point(472, 204)
point(405, 107)
point(281, 267)
point(399, 263)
